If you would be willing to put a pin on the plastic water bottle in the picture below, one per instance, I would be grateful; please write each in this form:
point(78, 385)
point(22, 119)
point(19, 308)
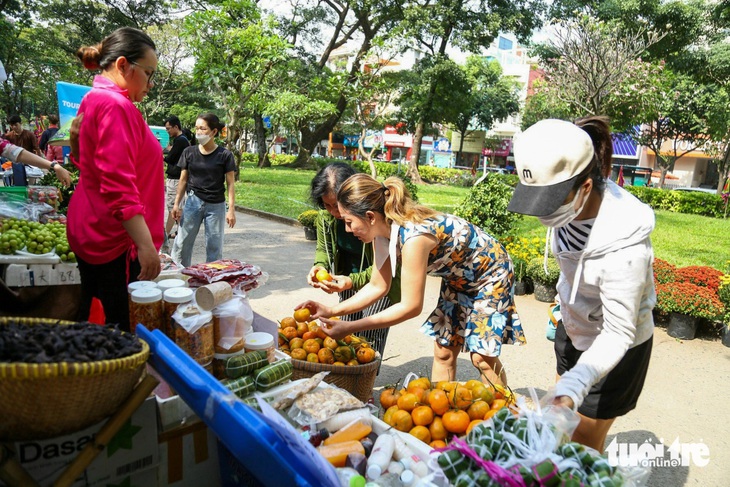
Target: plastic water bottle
point(350, 478)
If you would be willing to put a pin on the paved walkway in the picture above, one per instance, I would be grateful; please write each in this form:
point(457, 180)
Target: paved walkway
point(686, 396)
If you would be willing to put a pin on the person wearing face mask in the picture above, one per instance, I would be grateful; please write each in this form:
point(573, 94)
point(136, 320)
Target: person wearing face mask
point(115, 218)
point(348, 260)
point(207, 169)
point(600, 235)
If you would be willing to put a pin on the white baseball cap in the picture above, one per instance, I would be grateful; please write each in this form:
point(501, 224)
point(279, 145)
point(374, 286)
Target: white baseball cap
point(549, 157)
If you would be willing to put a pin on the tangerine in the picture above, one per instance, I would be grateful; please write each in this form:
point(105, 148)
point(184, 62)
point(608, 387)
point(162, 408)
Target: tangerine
point(421, 432)
point(302, 328)
point(311, 346)
point(325, 356)
point(422, 416)
point(312, 357)
point(323, 275)
point(421, 382)
point(438, 401)
point(290, 332)
point(499, 404)
point(408, 401)
point(296, 343)
point(365, 355)
point(473, 424)
point(388, 415)
point(299, 354)
point(310, 335)
point(302, 315)
point(287, 322)
point(460, 398)
point(437, 444)
point(446, 385)
point(389, 397)
point(339, 364)
point(456, 421)
point(402, 420)
point(330, 343)
point(477, 410)
point(437, 430)
point(483, 392)
point(353, 362)
point(470, 384)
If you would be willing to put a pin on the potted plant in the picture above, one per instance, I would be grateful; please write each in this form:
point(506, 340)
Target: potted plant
point(686, 304)
point(308, 219)
point(544, 282)
point(521, 280)
point(723, 293)
point(522, 250)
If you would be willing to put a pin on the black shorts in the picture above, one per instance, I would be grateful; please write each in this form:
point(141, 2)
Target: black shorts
point(618, 391)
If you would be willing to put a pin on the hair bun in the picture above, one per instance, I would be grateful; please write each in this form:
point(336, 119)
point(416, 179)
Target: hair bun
point(90, 56)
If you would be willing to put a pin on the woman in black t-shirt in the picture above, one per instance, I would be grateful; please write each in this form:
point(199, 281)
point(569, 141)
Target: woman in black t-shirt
point(206, 170)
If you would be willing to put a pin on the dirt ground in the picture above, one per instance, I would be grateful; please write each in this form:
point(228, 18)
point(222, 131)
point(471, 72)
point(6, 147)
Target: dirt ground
point(684, 398)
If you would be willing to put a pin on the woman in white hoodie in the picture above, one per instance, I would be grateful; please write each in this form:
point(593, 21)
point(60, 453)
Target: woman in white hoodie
point(600, 237)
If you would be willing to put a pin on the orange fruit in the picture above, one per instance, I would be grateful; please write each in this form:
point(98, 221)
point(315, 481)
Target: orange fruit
point(290, 332)
point(339, 364)
point(408, 401)
point(420, 394)
point(299, 354)
point(470, 384)
point(438, 401)
point(365, 355)
point(330, 343)
point(302, 315)
point(421, 382)
point(312, 357)
point(323, 275)
point(477, 410)
point(311, 346)
point(389, 397)
point(460, 398)
point(287, 322)
point(402, 421)
point(302, 329)
point(472, 424)
point(456, 421)
point(490, 413)
point(325, 356)
point(437, 444)
point(422, 416)
point(421, 432)
point(499, 404)
point(483, 392)
point(388, 415)
point(437, 430)
point(446, 385)
point(353, 362)
point(320, 341)
point(296, 343)
point(310, 335)
point(312, 325)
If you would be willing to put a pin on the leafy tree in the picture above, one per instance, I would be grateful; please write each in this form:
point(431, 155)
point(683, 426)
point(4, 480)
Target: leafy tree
point(435, 25)
point(489, 99)
point(543, 104)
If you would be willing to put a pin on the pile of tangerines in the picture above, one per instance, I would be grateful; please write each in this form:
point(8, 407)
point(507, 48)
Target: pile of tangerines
point(435, 413)
point(306, 340)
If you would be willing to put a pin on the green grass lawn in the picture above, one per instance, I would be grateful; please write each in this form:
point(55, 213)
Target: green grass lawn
point(678, 238)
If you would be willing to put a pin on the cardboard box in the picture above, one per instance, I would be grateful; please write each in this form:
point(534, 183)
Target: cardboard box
point(132, 451)
point(188, 457)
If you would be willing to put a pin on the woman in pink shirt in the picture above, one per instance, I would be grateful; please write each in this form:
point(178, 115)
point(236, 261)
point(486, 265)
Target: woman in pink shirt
point(115, 218)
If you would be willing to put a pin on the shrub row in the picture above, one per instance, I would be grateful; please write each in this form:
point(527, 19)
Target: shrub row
point(691, 202)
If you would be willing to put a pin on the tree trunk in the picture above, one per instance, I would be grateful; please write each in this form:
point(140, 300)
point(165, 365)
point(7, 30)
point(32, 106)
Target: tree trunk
point(416, 155)
point(367, 155)
point(260, 137)
point(461, 148)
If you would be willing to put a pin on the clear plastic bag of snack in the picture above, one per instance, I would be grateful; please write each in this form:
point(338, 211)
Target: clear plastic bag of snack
point(224, 269)
point(321, 404)
point(232, 321)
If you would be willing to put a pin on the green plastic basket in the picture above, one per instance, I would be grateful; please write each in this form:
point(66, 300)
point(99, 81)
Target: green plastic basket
point(17, 194)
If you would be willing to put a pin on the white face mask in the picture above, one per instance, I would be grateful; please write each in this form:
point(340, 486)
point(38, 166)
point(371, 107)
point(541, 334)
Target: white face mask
point(202, 138)
point(564, 214)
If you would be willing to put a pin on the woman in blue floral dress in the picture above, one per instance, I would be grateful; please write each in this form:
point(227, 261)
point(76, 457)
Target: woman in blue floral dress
point(476, 311)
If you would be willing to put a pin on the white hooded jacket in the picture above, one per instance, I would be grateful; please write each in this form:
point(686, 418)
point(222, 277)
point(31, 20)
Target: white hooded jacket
point(607, 290)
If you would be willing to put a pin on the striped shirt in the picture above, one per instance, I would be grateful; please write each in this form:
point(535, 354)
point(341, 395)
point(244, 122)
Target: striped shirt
point(574, 236)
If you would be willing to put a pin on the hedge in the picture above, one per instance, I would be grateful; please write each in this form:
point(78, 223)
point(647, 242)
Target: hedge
point(691, 202)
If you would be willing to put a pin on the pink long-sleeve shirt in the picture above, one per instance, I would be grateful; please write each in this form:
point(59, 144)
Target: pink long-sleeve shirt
point(121, 175)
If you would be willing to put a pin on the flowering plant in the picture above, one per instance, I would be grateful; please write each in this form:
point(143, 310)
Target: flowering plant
point(308, 218)
point(703, 276)
point(522, 250)
point(536, 271)
point(689, 299)
point(664, 272)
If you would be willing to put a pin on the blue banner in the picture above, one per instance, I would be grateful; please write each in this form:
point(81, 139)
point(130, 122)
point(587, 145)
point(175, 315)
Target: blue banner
point(69, 99)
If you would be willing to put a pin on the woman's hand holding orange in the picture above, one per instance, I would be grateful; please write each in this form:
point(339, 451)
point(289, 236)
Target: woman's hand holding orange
point(316, 310)
point(337, 329)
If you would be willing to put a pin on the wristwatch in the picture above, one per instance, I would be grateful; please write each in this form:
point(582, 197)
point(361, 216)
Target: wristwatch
point(53, 165)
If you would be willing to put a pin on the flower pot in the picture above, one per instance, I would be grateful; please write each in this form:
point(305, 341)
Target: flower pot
point(310, 233)
point(726, 335)
point(544, 293)
point(682, 326)
point(520, 288)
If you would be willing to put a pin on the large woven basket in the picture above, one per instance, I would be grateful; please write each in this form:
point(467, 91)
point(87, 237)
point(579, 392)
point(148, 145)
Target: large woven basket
point(358, 380)
point(40, 401)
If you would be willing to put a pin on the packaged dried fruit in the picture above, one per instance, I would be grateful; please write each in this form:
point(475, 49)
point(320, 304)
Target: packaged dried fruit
point(193, 330)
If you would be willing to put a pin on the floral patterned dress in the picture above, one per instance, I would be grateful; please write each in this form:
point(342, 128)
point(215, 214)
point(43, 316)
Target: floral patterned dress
point(476, 308)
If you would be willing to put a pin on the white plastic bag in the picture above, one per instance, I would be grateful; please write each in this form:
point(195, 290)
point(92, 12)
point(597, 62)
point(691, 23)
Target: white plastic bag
point(233, 321)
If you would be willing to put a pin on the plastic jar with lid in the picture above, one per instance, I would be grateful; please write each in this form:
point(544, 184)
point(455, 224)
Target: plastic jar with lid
point(133, 286)
point(146, 308)
point(172, 298)
point(166, 284)
point(260, 340)
point(193, 332)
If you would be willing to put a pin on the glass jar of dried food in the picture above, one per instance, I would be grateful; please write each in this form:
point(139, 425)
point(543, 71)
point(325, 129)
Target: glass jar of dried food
point(193, 329)
point(146, 308)
point(166, 284)
point(172, 298)
point(260, 340)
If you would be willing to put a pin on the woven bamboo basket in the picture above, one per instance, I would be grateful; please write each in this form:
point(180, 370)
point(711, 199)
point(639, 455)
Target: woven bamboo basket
point(358, 380)
point(40, 401)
